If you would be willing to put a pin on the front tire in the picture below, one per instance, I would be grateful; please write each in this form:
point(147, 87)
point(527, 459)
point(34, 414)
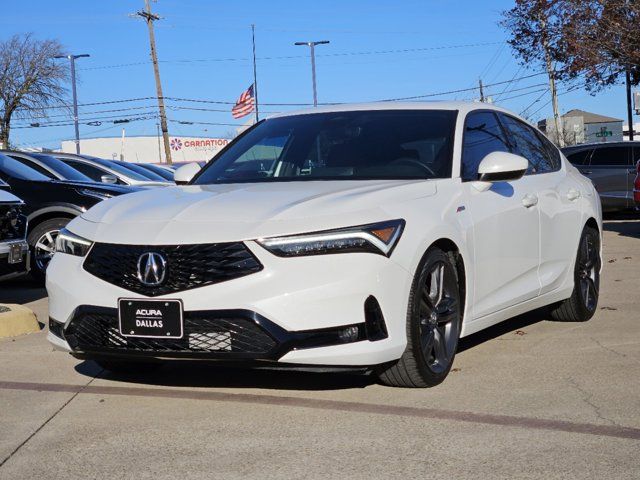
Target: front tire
point(433, 325)
point(42, 244)
point(583, 302)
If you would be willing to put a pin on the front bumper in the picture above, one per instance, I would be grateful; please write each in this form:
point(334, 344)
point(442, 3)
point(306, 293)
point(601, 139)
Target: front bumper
point(302, 304)
point(10, 270)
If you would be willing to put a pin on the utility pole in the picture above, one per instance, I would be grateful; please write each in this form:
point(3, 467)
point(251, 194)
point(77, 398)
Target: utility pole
point(150, 17)
point(629, 106)
point(312, 46)
point(72, 60)
point(482, 99)
point(552, 83)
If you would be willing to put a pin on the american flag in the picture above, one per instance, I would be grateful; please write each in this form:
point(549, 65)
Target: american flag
point(245, 104)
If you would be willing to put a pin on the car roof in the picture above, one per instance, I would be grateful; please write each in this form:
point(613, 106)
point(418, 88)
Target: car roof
point(463, 107)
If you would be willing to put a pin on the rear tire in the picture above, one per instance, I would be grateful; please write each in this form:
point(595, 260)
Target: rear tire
point(433, 325)
point(128, 367)
point(583, 302)
point(42, 245)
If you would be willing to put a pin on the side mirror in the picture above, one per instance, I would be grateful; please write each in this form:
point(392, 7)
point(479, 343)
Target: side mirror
point(185, 173)
point(109, 179)
point(500, 167)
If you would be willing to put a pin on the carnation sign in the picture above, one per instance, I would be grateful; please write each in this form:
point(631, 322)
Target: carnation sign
point(149, 149)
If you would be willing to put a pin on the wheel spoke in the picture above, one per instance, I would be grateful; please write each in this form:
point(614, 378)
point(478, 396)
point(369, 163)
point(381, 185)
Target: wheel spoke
point(46, 248)
point(439, 348)
point(426, 341)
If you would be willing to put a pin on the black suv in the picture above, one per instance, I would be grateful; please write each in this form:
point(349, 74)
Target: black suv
point(50, 205)
point(13, 228)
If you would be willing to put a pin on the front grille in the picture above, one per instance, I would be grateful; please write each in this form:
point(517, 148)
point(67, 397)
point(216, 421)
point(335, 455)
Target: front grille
point(188, 266)
point(204, 332)
point(7, 268)
point(13, 224)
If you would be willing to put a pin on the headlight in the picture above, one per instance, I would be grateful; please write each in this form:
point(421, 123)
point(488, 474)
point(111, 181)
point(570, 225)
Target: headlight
point(72, 244)
point(94, 193)
point(380, 238)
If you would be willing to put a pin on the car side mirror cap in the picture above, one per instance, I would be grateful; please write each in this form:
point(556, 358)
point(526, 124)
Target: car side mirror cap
point(500, 167)
point(185, 173)
point(109, 179)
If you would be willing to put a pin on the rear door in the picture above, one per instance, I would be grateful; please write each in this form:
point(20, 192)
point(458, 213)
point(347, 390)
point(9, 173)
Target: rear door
point(609, 170)
point(558, 203)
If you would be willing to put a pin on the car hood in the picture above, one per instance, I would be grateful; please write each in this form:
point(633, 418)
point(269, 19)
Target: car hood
point(232, 212)
point(100, 187)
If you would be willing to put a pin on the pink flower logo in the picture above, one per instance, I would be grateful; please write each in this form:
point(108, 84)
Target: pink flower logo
point(176, 144)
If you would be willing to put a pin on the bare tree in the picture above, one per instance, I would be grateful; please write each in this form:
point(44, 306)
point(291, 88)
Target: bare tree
point(30, 80)
point(595, 40)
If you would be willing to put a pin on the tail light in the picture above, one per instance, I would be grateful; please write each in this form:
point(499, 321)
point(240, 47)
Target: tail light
point(636, 184)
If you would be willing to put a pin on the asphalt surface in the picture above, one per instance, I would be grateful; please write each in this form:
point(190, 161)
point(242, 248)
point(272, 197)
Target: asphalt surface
point(530, 398)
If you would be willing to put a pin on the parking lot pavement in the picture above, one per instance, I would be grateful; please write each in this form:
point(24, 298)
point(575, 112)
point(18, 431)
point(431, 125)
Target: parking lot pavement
point(530, 398)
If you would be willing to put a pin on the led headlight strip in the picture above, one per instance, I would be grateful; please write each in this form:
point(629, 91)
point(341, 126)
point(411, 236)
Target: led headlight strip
point(72, 244)
point(379, 238)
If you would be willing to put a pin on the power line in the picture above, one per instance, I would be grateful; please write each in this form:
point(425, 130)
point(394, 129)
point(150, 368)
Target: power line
point(289, 57)
point(415, 97)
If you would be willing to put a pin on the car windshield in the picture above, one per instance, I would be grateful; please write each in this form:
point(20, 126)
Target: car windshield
point(67, 172)
point(13, 168)
point(355, 145)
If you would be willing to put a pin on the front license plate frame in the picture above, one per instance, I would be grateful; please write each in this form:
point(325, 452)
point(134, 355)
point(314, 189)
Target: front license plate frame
point(170, 314)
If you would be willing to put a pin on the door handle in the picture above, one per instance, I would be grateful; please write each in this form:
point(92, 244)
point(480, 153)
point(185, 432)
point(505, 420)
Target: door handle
point(573, 194)
point(587, 172)
point(530, 200)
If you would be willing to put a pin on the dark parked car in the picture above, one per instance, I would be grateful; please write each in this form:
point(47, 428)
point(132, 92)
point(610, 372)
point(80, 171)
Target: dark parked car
point(164, 172)
point(107, 171)
point(141, 171)
point(14, 252)
point(612, 169)
point(50, 205)
point(49, 166)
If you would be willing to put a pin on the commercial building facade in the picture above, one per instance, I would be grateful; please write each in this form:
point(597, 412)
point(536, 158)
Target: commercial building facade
point(149, 149)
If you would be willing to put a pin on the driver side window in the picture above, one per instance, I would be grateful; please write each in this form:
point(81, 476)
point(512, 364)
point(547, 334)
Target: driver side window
point(482, 136)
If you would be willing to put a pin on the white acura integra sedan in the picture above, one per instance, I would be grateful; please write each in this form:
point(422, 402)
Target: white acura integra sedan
point(370, 236)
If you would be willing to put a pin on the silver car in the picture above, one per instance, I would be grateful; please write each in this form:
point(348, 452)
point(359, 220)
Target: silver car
point(611, 167)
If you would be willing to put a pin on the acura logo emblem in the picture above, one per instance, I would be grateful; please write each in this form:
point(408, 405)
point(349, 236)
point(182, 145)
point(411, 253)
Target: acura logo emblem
point(152, 268)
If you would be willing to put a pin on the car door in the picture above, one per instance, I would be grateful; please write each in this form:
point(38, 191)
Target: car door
point(505, 223)
point(558, 202)
point(609, 171)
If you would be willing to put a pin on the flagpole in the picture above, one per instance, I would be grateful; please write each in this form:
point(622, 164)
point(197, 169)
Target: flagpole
point(255, 76)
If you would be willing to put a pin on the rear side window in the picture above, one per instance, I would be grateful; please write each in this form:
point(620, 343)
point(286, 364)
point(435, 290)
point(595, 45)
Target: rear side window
point(581, 157)
point(90, 171)
point(35, 166)
point(611, 156)
point(482, 136)
point(527, 143)
point(553, 154)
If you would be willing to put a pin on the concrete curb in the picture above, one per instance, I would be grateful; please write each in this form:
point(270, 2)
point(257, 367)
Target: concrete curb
point(17, 320)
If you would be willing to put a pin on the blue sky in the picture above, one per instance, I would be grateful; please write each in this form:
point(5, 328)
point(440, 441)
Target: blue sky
point(205, 49)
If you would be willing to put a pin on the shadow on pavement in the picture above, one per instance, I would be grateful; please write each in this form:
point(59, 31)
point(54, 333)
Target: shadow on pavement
point(203, 374)
point(21, 290)
point(508, 326)
point(623, 224)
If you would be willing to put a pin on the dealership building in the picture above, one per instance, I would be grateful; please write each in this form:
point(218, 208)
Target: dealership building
point(148, 149)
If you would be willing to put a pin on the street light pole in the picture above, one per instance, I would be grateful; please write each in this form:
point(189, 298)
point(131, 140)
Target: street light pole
point(312, 47)
point(72, 60)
